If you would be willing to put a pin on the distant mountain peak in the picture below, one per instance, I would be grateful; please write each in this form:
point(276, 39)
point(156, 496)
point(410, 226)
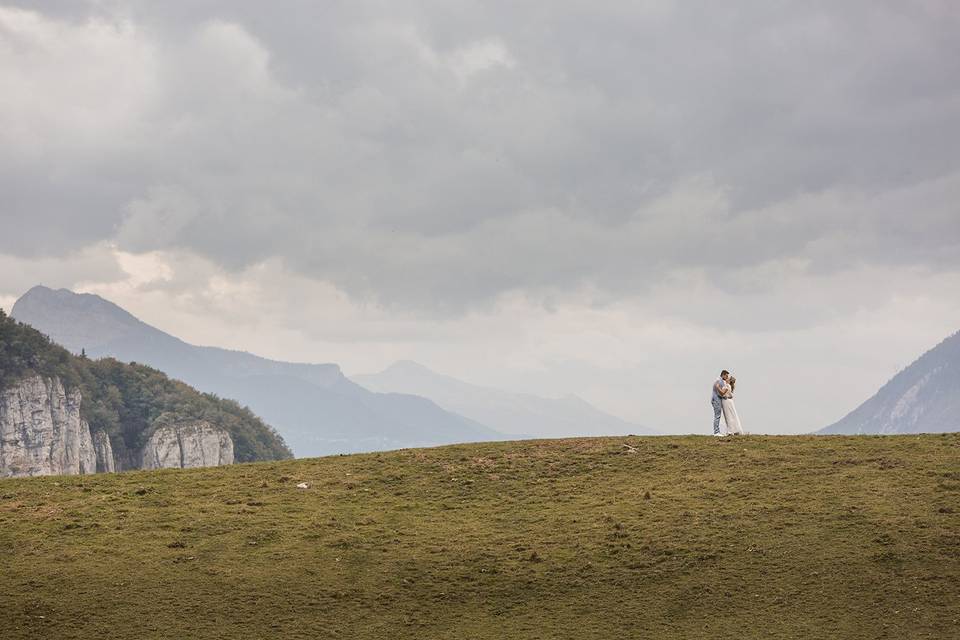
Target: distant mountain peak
point(409, 366)
point(510, 412)
point(574, 400)
point(77, 320)
point(90, 303)
point(923, 398)
point(39, 289)
point(88, 321)
point(43, 291)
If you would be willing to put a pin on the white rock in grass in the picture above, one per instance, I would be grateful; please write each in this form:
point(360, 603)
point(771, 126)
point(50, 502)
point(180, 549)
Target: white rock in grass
point(303, 485)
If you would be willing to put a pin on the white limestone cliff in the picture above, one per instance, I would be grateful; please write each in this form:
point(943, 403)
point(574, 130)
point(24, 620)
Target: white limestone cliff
point(41, 431)
point(106, 463)
point(189, 445)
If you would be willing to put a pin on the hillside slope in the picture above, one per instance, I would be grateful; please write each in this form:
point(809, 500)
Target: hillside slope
point(127, 402)
point(683, 537)
point(923, 398)
point(313, 406)
point(518, 414)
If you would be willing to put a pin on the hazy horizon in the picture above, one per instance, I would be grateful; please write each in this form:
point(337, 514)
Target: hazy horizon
point(612, 200)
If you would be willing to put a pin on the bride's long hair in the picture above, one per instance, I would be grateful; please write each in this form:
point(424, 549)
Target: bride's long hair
point(733, 383)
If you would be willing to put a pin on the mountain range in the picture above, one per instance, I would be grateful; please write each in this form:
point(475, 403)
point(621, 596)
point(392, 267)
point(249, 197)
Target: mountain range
point(923, 398)
point(320, 411)
point(516, 414)
point(316, 409)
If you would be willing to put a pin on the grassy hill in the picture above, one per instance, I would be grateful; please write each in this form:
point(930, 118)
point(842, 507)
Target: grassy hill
point(686, 537)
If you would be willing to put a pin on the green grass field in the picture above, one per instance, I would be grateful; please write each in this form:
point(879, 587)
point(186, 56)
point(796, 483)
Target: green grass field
point(683, 537)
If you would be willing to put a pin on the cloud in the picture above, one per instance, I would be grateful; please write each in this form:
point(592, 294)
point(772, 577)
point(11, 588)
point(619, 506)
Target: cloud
point(97, 263)
point(157, 219)
point(73, 98)
point(71, 90)
point(464, 159)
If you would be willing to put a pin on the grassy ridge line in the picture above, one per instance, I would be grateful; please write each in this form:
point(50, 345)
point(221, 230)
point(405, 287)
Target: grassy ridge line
point(688, 537)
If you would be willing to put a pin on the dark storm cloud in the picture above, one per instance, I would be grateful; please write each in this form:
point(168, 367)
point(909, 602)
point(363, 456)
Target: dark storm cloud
point(440, 154)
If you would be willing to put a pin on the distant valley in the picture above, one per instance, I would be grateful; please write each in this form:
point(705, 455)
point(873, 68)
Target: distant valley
point(516, 414)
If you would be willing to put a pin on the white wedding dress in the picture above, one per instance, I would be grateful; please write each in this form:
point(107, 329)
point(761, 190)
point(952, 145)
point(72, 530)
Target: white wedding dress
point(730, 417)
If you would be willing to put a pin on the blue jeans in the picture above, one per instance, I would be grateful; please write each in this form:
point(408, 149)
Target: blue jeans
point(717, 412)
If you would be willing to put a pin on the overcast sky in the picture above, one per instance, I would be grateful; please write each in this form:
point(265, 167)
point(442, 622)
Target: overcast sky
point(614, 199)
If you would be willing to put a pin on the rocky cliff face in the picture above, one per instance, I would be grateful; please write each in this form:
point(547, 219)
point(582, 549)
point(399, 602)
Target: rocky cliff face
point(197, 444)
point(42, 433)
point(106, 463)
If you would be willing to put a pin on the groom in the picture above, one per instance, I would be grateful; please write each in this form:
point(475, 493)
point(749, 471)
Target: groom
point(720, 389)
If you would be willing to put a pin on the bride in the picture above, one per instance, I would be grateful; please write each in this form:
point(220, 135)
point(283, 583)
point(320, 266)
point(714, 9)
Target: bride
point(730, 416)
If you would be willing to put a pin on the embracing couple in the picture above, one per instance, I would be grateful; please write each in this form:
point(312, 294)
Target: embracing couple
point(722, 402)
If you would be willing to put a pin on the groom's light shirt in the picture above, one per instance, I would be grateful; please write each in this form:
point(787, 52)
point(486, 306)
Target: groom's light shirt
point(719, 387)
